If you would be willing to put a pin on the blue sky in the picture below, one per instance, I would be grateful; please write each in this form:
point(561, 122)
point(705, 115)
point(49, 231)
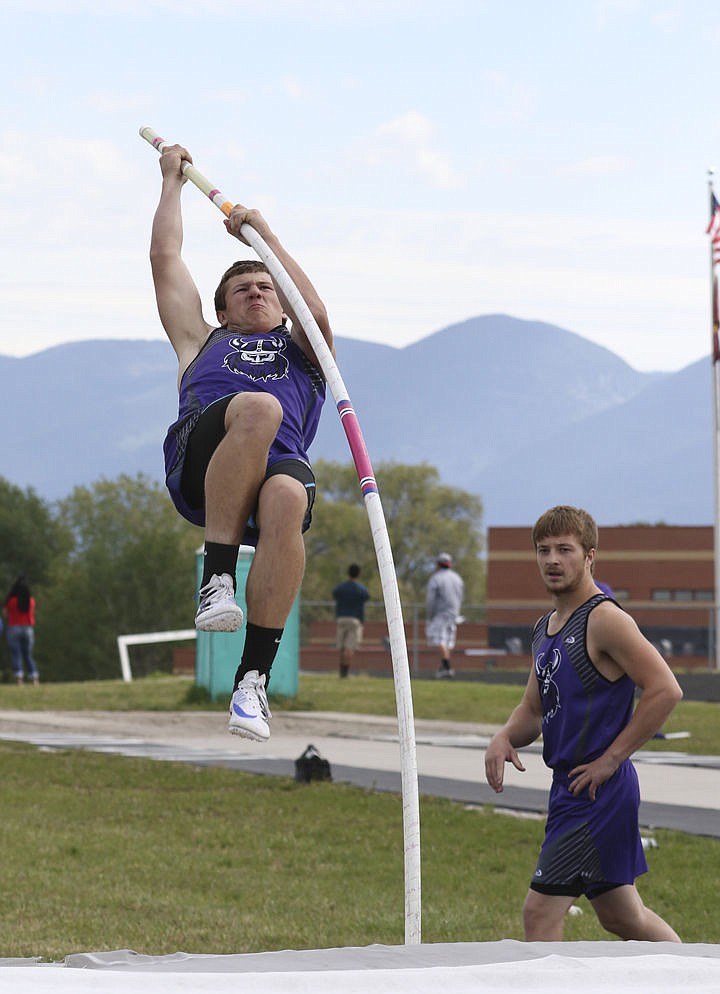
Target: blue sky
point(425, 162)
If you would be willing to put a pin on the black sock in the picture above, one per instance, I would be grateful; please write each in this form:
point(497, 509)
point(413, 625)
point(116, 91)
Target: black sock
point(219, 559)
point(261, 646)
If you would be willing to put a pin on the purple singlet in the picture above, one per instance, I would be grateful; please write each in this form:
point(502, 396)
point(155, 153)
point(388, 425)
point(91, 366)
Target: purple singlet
point(588, 844)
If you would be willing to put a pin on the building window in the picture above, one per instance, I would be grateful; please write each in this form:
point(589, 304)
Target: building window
point(682, 595)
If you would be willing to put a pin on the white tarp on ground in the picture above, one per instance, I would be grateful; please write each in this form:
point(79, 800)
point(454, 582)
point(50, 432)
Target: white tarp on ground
point(455, 968)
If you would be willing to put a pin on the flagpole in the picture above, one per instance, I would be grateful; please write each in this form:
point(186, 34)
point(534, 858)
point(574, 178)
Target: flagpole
point(716, 419)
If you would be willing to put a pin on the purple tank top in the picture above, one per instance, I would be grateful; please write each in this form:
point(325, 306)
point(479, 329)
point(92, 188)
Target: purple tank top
point(583, 711)
point(272, 363)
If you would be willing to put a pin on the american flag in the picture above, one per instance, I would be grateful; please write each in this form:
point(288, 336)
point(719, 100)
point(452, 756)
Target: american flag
point(713, 229)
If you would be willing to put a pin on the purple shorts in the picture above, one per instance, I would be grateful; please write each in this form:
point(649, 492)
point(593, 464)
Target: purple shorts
point(591, 846)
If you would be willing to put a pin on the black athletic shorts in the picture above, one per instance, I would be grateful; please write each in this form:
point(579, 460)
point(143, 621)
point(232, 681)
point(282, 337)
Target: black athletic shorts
point(205, 438)
point(575, 888)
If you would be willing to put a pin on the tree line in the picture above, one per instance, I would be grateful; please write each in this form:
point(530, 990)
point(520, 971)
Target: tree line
point(115, 558)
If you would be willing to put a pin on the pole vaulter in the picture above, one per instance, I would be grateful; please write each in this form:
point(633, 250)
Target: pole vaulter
point(381, 540)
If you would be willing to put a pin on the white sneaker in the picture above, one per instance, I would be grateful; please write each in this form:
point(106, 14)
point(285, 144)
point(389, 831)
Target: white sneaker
point(249, 711)
point(217, 609)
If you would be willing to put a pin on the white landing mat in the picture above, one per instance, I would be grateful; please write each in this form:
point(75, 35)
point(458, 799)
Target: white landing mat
point(454, 968)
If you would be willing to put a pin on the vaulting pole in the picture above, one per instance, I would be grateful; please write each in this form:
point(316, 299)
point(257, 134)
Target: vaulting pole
point(381, 540)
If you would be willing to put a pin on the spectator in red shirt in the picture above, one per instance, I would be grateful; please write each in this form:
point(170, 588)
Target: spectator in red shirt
point(19, 614)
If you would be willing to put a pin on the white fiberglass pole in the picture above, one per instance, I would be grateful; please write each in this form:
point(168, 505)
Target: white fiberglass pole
point(381, 540)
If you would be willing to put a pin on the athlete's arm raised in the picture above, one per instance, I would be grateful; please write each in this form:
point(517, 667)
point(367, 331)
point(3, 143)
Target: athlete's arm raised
point(177, 296)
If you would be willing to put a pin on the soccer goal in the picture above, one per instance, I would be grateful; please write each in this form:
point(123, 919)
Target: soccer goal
point(147, 638)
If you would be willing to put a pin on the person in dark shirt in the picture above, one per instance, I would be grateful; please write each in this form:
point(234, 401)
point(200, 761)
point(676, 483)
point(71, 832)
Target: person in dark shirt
point(350, 598)
point(588, 658)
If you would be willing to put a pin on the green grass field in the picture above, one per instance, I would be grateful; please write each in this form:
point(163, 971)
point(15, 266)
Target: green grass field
point(104, 852)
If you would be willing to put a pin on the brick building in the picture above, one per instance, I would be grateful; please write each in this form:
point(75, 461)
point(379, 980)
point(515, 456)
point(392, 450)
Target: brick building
point(662, 574)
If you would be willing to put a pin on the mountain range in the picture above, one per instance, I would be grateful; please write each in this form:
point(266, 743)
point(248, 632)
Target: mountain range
point(523, 414)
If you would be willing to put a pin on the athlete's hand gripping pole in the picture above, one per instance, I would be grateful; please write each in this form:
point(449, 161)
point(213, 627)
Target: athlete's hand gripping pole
point(381, 540)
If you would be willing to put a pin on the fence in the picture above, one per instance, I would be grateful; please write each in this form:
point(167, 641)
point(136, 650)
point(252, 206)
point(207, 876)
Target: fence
point(497, 637)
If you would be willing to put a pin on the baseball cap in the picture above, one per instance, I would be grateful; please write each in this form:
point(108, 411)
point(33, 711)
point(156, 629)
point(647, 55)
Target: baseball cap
point(445, 559)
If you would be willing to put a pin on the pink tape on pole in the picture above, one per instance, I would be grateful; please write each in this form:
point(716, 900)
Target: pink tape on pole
point(357, 447)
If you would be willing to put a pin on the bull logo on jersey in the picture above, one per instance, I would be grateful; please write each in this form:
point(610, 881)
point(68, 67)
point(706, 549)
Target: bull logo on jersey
point(545, 670)
point(260, 358)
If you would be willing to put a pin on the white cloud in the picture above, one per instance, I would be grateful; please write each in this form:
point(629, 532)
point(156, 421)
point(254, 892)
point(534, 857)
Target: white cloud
point(436, 167)
point(409, 138)
point(353, 111)
point(391, 276)
point(59, 165)
point(412, 128)
point(426, 270)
